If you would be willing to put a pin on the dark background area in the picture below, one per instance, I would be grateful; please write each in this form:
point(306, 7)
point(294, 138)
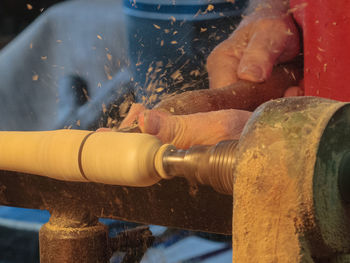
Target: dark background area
point(15, 15)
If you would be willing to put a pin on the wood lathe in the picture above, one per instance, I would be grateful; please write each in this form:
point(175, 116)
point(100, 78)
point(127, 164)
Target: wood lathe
point(288, 174)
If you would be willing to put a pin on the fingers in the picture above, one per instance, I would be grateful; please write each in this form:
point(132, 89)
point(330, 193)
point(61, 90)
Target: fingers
point(261, 53)
point(252, 51)
point(270, 39)
point(184, 131)
point(223, 61)
point(132, 116)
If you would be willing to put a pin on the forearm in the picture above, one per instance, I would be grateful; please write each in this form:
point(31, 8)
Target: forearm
point(268, 7)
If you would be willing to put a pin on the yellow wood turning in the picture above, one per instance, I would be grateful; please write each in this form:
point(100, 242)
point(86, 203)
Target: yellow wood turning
point(106, 157)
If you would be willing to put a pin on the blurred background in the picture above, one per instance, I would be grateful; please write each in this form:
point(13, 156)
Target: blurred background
point(16, 15)
point(18, 227)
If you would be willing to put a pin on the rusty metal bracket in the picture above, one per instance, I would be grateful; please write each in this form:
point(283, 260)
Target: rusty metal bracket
point(134, 242)
point(76, 236)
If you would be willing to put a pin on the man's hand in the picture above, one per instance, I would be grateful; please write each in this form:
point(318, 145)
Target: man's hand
point(264, 38)
point(261, 40)
point(184, 131)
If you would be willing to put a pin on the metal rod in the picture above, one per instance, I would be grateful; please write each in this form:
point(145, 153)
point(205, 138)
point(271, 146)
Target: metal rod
point(209, 165)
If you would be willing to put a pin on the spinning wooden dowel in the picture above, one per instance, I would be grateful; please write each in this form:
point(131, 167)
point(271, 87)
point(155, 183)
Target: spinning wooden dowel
point(129, 159)
point(74, 155)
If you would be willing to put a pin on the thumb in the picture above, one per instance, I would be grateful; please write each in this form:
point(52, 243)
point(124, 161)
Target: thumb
point(184, 131)
point(223, 61)
point(158, 123)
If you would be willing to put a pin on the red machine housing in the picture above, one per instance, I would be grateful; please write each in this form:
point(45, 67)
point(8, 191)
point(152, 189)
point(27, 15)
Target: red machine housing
point(326, 29)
